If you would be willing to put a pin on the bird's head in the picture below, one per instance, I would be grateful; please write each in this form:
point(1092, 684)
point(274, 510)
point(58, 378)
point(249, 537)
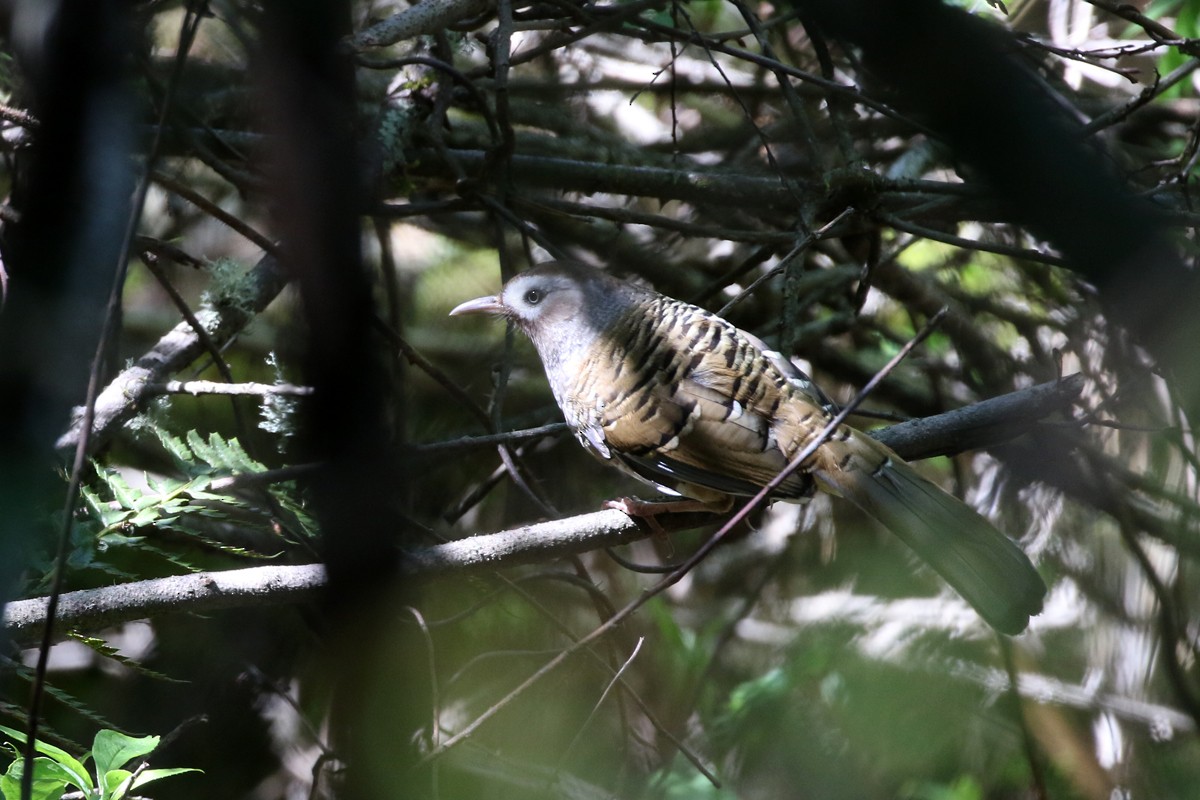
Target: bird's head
point(562, 306)
point(545, 297)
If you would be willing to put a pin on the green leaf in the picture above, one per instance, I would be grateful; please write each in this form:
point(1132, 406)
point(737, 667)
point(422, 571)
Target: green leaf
point(125, 494)
point(147, 775)
point(113, 749)
point(146, 501)
point(688, 784)
point(64, 697)
point(965, 788)
point(146, 516)
point(108, 651)
point(115, 539)
point(768, 688)
point(78, 706)
point(200, 448)
point(178, 450)
point(172, 558)
point(49, 780)
point(100, 509)
point(115, 784)
point(72, 766)
point(226, 454)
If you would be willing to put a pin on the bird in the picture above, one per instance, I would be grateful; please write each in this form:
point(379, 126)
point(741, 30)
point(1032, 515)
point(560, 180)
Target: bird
point(687, 402)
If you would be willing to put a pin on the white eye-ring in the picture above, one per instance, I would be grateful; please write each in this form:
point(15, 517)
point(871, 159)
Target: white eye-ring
point(533, 297)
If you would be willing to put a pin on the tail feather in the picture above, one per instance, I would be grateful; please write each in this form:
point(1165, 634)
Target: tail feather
point(981, 563)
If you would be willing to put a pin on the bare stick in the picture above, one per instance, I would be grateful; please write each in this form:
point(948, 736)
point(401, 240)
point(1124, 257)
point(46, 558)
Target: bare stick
point(217, 387)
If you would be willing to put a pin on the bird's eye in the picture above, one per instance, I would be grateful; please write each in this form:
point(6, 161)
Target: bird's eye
point(533, 297)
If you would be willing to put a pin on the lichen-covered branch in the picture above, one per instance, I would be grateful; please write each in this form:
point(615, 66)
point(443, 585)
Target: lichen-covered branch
point(179, 347)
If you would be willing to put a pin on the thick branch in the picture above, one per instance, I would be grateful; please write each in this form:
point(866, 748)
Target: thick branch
point(694, 185)
point(92, 609)
point(429, 16)
point(980, 425)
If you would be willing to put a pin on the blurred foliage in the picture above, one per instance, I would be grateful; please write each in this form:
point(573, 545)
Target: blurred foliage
point(713, 151)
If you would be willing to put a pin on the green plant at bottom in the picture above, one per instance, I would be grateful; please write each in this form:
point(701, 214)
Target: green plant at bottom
point(56, 769)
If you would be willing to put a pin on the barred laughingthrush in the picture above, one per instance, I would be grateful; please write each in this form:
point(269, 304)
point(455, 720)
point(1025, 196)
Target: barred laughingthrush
point(690, 404)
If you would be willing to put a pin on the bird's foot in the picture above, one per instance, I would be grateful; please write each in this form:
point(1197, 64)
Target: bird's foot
point(649, 509)
point(646, 512)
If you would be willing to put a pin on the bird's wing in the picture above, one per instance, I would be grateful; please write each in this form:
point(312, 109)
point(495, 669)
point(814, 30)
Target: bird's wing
point(703, 426)
point(796, 376)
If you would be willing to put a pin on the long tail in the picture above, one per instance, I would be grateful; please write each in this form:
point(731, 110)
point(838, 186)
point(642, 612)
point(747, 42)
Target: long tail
point(981, 563)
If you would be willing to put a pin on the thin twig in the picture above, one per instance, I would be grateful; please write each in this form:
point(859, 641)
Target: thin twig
point(435, 703)
point(892, 221)
point(614, 681)
point(414, 357)
point(213, 210)
point(477, 442)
